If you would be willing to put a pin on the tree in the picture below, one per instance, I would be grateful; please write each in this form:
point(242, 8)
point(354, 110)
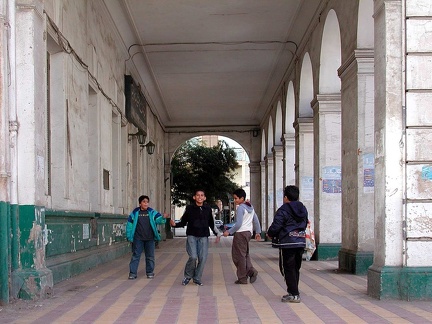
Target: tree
point(195, 166)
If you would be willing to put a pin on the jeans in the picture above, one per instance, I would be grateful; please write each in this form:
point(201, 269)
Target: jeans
point(197, 249)
point(290, 261)
point(149, 250)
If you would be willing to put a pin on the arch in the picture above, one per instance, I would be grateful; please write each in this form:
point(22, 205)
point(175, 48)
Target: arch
point(306, 88)
point(290, 110)
point(278, 125)
point(365, 31)
point(244, 137)
point(270, 141)
point(330, 56)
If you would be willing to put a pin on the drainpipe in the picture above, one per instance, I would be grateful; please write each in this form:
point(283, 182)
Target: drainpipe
point(13, 135)
point(4, 174)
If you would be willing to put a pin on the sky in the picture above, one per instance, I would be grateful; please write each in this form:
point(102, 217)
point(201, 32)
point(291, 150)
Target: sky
point(231, 143)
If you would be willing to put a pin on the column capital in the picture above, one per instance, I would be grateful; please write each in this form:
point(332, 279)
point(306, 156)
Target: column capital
point(304, 124)
point(255, 167)
point(277, 149)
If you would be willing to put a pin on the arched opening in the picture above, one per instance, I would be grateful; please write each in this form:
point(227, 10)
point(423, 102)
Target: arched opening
point(330, 56)
point(278, 125)
point(270, 134)
point(306, 88)
point(223, 207)
point(365, 29)
point(290, 110)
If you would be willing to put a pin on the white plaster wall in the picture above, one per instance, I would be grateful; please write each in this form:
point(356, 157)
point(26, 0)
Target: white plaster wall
point(90, 136)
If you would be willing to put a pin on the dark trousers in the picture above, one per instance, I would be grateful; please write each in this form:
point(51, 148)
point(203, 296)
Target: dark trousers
point(289, 264)
point(240, 255)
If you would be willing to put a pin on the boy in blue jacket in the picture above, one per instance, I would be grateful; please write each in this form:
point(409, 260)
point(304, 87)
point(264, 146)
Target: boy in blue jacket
point(288, 227)
point(141, 230)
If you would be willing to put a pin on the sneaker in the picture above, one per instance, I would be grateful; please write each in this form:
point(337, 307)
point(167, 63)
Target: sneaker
point(132, 276)
point(254, 276)
point(150, 276)
point(291, 298)
point(197, 282)
point(238, 282)
point(185, 281)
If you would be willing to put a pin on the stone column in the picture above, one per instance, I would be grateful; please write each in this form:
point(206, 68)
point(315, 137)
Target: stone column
point(269, 189)
point(32, 279)
point(167, 198)
point(264, 199)
point(327, 172)
point(304, 163)
point(278, 170)
point(255, 188)
point(357, 76)
point(289, 159)
point(402, 265)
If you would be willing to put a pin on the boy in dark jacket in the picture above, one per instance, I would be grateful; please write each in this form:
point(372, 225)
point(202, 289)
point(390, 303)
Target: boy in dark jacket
point(199, 219)
point(288, 227)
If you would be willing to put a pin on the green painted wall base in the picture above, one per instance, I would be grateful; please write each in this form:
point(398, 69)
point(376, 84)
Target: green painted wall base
point(68, 265)
point(355, 262)
point(409, 283)
point(327, 251)
point(32, 284)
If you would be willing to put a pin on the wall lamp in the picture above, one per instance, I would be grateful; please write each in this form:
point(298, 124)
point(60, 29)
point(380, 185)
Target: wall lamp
point(150, 147)
point(255, 132)
point(141, 137)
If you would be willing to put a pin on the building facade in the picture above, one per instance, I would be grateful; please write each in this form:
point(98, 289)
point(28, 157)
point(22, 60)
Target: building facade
point(349, 124)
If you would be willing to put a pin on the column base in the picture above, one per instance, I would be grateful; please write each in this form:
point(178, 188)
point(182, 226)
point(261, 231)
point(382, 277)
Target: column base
point(32, 284)
point(326, 251)
point(408, 283)
point(355, 262)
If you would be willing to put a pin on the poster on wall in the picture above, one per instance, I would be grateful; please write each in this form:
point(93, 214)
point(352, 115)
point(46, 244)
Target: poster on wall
point(307, 188)
point(427, 172)
point(331, 179)
point(368, 172)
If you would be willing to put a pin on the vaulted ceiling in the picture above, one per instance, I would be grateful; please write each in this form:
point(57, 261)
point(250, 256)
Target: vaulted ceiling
point(212, 62)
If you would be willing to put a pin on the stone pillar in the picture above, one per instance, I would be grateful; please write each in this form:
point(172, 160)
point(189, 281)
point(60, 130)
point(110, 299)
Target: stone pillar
point(402, 266)
point(277, 176)
point(32, 279)
point(269, 189)
point(357, 76)
point(167, 199)
point(304, 163)
point(264, 199)
point(289, 159)
point(255, 188)
point(327, 172)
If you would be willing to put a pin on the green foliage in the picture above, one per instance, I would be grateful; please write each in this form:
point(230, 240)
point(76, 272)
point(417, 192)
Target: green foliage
point(195, 166)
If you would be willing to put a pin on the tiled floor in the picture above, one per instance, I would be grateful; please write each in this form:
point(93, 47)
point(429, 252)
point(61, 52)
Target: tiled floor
point(105, 295)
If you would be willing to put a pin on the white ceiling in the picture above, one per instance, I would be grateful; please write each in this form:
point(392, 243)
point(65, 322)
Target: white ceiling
point(212, 62)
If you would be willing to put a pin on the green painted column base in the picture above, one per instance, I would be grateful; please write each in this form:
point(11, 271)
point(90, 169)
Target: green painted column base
point(408, 283)
point(355, 262)
point(327, 251)
point(32, 284)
